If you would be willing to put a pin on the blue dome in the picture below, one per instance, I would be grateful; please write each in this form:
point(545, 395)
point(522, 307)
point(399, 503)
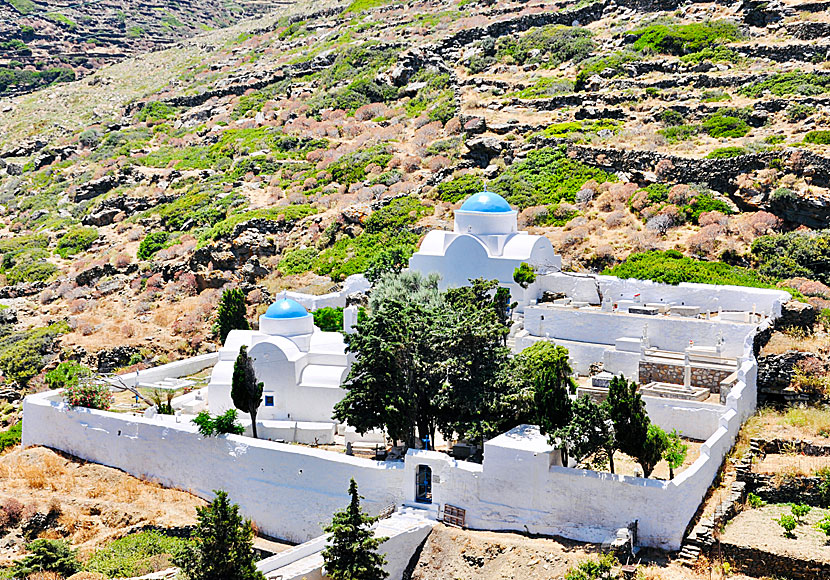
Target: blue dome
point(486, 201)
point(286, 308)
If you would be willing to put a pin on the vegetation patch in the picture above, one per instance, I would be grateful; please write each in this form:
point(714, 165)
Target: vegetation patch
point(155, 111)
point(789, 83)
point(792, 254)
point(75, 241)
point(727, 152)
point(613, 64)
point(22, 353)
point(436, 99)
point(818, 137)
point(32, 79)
point(11, 436)
point(546, 176)
point(544, 88)
point(287, 213)
point(351, 168)
point(137, 555)
point(459, 188)
point(683, 39)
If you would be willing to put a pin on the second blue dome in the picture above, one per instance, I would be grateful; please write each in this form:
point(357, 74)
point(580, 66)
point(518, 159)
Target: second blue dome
point(286, 308)
point(486, 201)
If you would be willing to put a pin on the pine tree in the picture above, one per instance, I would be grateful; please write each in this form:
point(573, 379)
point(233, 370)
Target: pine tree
point(223, 544)
point(231, 314)
point(352, 550)
point(589, 432)
point(246, 391)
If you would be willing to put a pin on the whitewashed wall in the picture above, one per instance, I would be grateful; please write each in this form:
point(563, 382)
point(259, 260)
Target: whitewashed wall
point(288, 490)
point(707, 296)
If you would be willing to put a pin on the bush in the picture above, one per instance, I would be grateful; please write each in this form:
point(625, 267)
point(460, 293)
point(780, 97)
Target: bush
point(789, 83)
point(352, 168)
point(65, 374)
point(329, 319)
point(727, 153)
point(755, 501)
point(135, 555)
point(151, 244)
point(613, 64)
point(546, 176)
point(793, 254)
point(90, 395)
point(524, 275)
point(217, 425)
point(11, 436)
point(48, 556)
point(824, 526)
point(681, 39)
point(548, 46)
point(397, 214)
point(719, 126)
point(799, 112)
point(21, 355)
point(672, 267)
point(671, 118)
point(297, 261)
point(800, 511)
point(76, 240)
point(818, 137)
point(679, 132)
point(599, 569)
point(460, 188)
point(155, 111)
point(787, 522)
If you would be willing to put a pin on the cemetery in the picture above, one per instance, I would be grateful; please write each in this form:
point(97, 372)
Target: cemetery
point(690, 347)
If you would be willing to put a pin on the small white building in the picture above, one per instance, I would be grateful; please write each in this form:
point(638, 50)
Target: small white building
point(485, 243)
point(301, 367)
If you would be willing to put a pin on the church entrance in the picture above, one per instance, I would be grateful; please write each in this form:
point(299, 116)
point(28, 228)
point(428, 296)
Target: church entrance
point(423, 484)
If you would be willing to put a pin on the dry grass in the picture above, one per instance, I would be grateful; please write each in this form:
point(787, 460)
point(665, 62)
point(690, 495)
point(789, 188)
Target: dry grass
point(796, 339)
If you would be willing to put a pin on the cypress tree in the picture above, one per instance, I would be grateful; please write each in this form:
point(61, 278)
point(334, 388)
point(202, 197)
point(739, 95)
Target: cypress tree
point(231, 314)
point(223, 544)
point(246, 391)
point(352, 550)
point(628, 412)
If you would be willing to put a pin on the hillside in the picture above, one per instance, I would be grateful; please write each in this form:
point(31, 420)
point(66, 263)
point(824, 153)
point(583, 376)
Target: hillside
point(44, 42)
point(295, 149)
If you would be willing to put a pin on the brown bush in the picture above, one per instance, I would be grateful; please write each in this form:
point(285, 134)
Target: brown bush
point(706, 240)
point(680, 194)
point(712, 217)
point(13, 510)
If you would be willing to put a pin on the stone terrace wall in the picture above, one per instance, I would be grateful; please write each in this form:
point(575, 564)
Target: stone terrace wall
point(674, 374)
point(763, 564)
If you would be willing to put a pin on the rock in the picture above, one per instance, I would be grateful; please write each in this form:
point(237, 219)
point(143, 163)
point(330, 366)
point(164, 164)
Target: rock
point(253, 270)
point(798, 314)
point(110, 359)
point(475, 125)
point(483, 149)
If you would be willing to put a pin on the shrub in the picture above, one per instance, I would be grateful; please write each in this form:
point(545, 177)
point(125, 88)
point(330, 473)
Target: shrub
point(352, 168)
point(824, 526)
point(21, 355)
point(793, 254)
point(76, 240)
point(719, 126)
point(90, 395)
point(818, 137)
point(549, 46)
point(391, 259)
point(155, 111)
point(397, 214)
point(546, 176)
point(755, 501)
point(11, 436)
point(787, 522)
point(13, 511)
point(789, 83)
point(671, 118)
point(65, 374)
point(151, 244)
point(48, 556)
point(680, 39)
point(135, 555)
point(89, 138)
point(217, 425)
point(799, 112)
point(613, 64)
point(524, 275)
point(329, 319)
point(460, 188)
point(672, 267)
point(297, 261)
point(598, 569)
point(727, 153)
point(679, 132)
point(800, 511)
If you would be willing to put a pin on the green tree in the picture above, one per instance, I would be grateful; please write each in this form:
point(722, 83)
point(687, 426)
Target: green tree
point(223, 546)
point(352, 550)
point(628, 413)
point(392, 259)
point(675, 452)
point(524, 275)
point(246, 391)
point(656, 443)
point(590, 432)
point(65, 374)
point(329, 319)
point(231, 314)
point(48, 556)
point(546, 371)
point(399, 358)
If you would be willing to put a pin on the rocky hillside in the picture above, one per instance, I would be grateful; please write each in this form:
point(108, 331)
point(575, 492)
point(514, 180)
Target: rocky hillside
point(324, 139)
point(44, 41)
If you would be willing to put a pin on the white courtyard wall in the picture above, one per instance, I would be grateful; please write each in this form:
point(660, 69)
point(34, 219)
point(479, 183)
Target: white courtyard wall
point(174, 370)
point(692, 419)
point(707, 296)
point(666, 333)
point(289, 491)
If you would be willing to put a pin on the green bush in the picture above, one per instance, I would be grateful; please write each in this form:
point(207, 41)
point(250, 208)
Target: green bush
point(460, 188)
point(787, 522)
point(548, 46)
point(599, 569)
point(727, 152)
point(799, 112)
point(614, 62)
point(397, 214)
point(352, 168)
point(672, 267)
point(545, 87)
point(220, 424)
point(66, 373)
point(286, 213)
point(818, 137)
point(11, 436)
point(88, 395)
point(135, 555)
point(21, 353)
point(546, 176)
point(555, 215)
point(151, 244)
point(719, 126)
point(297, 261)
point(155, 111)
point(76, 240)
point(755, 501)
point(799, 253)
point(715, 96)
point(671, 118)
point(33, 79)
point(681, 39)
point(48, 556)
point(329, 319)
point(716, 54)
point(789, 83)
point(679, 132)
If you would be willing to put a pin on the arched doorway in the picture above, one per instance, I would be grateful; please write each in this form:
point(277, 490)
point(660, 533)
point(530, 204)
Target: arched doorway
point(423, 484)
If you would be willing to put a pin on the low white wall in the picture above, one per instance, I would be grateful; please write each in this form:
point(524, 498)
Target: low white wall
point(692, 419)
point(707, 296)
point(311, 302)
point(173, 370)
point(288, 490)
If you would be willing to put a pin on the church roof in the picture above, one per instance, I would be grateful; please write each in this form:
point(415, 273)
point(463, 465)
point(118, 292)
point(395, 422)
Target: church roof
point(486, 202)
point(286, 308)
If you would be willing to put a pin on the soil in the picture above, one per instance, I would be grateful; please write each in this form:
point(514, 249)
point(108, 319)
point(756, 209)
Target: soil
point(97, 504)
point(755, 528)
point(791, 464)
point(453, 554)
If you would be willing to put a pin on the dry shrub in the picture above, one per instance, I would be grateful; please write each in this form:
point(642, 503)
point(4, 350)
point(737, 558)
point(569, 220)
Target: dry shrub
point(87, 576)
point(128, 490)
point(712, 217)
point(680, 194)
point(437, 163)
point(12, 509)
point(615, 219)
point(45, 575)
